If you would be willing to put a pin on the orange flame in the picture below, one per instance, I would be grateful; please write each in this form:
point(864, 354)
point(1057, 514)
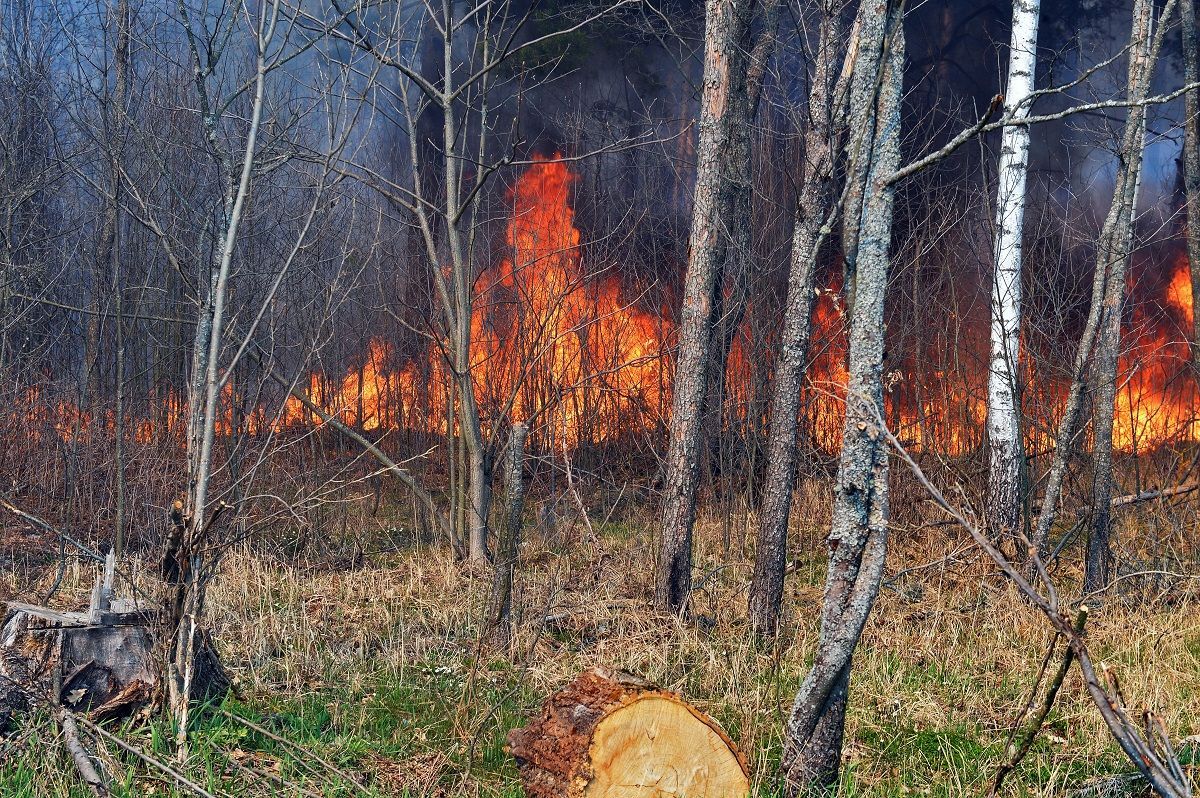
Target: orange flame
point(559, 342)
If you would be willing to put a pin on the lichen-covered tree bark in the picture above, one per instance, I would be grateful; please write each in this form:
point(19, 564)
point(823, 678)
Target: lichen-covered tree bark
point(1112, 252)
point(722, 110)
point(1004, 413)
point(812, 209)
point(858, 538)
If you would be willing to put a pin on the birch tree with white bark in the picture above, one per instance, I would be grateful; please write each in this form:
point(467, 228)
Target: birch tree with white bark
point(1004, 412)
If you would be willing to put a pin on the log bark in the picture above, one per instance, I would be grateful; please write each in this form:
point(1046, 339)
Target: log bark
point(611, 734)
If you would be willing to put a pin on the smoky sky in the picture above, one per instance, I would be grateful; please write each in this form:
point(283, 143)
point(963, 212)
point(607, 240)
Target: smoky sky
point(631, 73)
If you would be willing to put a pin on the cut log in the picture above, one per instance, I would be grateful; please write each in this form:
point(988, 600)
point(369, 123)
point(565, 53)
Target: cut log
point(608, 735)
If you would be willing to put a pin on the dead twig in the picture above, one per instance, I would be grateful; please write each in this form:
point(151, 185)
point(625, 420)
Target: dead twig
point(275, 777)
point(1146, 751)
point(154, 762)
point(1016, 750)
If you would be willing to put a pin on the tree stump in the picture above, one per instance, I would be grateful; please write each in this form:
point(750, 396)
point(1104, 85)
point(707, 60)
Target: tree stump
point(98, 661)
point(102, 664)
point(608, 735)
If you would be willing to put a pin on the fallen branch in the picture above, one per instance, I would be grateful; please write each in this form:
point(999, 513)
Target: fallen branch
point(1149, 495)
point(46, 526)
point(179, 778)
point(260, 773)
point(284, 741)
point(83, 761)
point(390, 465)
point(1015, 750)
point(1146, 745)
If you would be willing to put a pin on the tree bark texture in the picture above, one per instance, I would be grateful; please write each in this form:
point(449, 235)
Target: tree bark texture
point(726, 56)
point(812, 209)
point(858, 538)
point(1005, 450)
point(1191, 165)
point(1115, 254)
point(499, 617)
point(731, 286)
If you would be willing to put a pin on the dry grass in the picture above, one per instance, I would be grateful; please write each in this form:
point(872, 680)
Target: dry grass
point(377, 667)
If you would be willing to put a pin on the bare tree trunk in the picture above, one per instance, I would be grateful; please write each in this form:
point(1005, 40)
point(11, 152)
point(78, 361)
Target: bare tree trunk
point(1115, 238)
point(732, 282)
point(1116, 254)
point(812, 209)
point(1191, 164)
point(499, 615)
point(727, 38)
point(1004, 413)
point(858, 538)
point(110, 253)
point(479, 455)
point(204, 398)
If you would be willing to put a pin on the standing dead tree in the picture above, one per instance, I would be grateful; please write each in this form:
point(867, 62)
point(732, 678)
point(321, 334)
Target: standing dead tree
point(498, 623)
point(858, 538)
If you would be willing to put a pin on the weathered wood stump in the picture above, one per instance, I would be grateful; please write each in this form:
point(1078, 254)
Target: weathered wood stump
point(99, 661)
point(606, 735)
point(103, 665)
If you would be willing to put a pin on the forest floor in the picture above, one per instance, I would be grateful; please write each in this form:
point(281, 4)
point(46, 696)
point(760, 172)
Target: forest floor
point(369, 667)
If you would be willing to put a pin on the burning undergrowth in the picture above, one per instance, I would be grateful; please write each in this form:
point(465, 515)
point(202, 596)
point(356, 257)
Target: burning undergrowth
point(563, 339)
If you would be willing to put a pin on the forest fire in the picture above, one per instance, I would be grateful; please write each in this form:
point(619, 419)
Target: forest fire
point(1157, 397)
point(556, 343)
point(551, 343)
point(559, 345)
